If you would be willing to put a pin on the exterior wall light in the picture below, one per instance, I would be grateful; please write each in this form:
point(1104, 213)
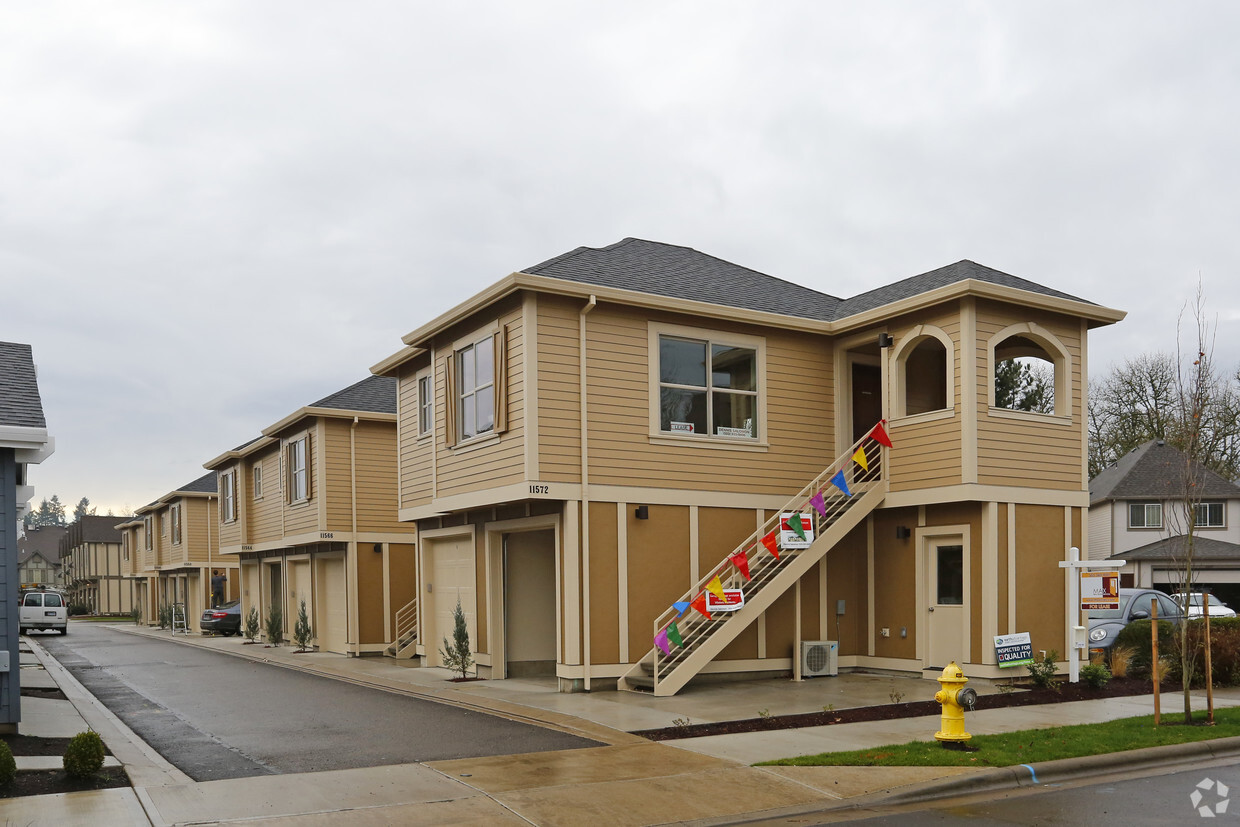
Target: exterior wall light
point(642, 512)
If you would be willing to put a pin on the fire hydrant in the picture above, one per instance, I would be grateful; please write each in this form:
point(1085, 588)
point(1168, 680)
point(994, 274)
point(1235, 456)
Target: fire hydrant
point(955, 699)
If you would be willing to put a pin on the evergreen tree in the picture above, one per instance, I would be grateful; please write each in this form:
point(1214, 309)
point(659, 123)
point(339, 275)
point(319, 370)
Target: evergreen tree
point(302, 632)
point(83, 509)
point(458, 655)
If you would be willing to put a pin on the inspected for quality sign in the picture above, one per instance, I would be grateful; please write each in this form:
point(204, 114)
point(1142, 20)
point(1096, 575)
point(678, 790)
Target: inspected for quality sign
point(1013, 650)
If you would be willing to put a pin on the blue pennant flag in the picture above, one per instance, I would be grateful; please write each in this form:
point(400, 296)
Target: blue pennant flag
point(681, 606)
point(838, 482)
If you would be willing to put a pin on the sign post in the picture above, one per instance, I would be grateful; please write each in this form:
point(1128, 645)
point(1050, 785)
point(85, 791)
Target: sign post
point(1076, 570)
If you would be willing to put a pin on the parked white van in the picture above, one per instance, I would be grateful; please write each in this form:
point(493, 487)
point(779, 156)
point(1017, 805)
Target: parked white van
point(44, 610)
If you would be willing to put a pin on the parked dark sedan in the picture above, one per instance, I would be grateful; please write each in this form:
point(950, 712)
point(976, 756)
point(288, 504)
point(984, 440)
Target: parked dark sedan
point(224, 620)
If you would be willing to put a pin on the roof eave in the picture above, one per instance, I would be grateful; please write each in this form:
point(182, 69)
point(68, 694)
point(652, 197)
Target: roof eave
point(388, 366)
point(330, 413)
point(1095, 314)
point(234, 455)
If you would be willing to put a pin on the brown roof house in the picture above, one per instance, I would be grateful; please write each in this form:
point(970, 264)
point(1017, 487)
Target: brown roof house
point(1137, 514)
point(308, 511)
point(24, 441)
point(38, 561)
point(603, 454)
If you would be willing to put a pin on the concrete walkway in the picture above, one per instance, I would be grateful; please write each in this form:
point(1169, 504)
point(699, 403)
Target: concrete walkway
point(630, 781)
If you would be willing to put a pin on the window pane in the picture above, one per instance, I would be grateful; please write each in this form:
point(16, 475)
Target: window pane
point(732, 367)
point(52, 600)
point(467, 369)
point(484, 360)
point(950, 575)
point(468, 422)
point(33, 600)
point(682, 363)
point(1136, 515)
point(484, 401)
point(682, 411)
point(735, 414)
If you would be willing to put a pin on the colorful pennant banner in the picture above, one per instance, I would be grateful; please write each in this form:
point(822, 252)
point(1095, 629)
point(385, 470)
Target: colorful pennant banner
point(680, 606)
point(794, 523)
point(819, 504)
point(673, 634)
point(715, 587)
point(860, 458)
point(699, 603)
point(838, 482)
point(879, 435)
point(771, 545)
point(660, 640)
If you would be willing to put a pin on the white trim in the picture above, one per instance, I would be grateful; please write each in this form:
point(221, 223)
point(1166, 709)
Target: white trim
point(529, 359)
point(968, 396)
point(622, 579)
point(1059, 356)
point(990, 578)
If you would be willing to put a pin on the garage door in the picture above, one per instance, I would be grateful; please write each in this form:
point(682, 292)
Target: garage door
point(452, 578)
point(333, 619)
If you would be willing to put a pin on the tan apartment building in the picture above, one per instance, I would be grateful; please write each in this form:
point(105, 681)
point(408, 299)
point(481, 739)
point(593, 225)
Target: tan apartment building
point(587, 444)
point(91, 564)
point(172, 548)
point(308, 511)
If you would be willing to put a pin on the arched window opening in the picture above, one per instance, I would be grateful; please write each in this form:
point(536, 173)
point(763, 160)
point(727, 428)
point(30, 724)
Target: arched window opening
point(1025, 376)
point(925, 377)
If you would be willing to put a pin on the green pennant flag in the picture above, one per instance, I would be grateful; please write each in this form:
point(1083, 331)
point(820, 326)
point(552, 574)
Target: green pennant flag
point(673, 634)
point(794, 523)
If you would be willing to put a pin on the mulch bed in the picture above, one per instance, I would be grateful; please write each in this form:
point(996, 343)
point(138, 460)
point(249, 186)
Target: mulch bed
point(46, 782)
point(1115, 688)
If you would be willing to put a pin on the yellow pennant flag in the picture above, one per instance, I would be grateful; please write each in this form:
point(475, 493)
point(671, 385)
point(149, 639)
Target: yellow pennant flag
point(716, 588)
point(860, 459)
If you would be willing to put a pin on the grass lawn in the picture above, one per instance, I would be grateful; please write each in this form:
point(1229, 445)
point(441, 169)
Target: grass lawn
point(1033, 745)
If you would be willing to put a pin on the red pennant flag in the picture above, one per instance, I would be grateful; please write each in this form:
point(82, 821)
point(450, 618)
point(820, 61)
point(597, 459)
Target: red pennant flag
point(771, 545)
point(880, 436)
point(741, 561)
point(699, 603)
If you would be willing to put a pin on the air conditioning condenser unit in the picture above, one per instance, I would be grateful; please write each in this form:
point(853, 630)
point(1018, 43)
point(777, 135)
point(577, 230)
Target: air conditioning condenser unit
point(819, 657)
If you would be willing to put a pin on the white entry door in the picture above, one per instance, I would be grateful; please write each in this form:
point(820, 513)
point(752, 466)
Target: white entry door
point(452, 579)
point(946, 626)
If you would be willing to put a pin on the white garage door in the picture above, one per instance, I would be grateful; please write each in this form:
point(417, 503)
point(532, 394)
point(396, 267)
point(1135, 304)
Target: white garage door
point(452, 579)
point(333, 618)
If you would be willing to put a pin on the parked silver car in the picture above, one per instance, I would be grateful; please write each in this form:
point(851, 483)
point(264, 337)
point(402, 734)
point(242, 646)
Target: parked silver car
point(1134, 604)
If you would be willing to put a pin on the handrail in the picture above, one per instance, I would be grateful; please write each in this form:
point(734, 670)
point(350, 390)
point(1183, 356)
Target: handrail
point(406, 620)
point(835, 503)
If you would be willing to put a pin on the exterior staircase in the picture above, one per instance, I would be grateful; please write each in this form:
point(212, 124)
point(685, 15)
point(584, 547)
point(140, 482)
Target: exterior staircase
point(703, 639)
point(406, 632)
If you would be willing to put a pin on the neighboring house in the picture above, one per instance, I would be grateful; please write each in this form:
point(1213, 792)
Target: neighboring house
point(309, 512)
point(24, 441)
point(38, 562)
point(1137, 514)
point(589, 440)
point(172, 549)
point(90, 558)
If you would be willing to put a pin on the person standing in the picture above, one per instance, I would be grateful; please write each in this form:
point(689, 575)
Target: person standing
point(218, 582)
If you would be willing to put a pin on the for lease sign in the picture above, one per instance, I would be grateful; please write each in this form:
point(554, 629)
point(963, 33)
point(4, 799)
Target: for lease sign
point(1099, 590)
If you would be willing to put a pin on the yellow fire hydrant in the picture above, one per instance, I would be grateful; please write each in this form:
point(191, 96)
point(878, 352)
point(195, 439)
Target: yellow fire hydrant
point(955, 699)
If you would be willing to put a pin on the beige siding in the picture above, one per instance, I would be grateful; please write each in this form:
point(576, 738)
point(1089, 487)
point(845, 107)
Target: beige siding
point(416, 486)
point(303, 517)
point(263, 516)
point(799, 399)
point(927, 454)
point(559, 397)
point(376, 478)
point(1030, 452)
point(338, 488)
point(466, 469)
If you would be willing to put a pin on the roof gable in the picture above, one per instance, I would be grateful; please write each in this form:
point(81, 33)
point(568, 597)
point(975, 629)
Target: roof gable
point(376, 394)
point(20, 405)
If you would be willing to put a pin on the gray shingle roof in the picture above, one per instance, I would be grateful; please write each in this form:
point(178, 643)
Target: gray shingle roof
point(943, 276)
point(1205, 550)
point(20, 405)
point(376, 394)
point(203, 485)
point(43, 539)
point(685, 273)
point(1154, 470)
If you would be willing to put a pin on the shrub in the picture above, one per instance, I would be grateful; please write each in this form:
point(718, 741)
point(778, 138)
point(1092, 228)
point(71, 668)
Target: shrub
point(1136, 638)
point(8, 765)
point(136, 614)
point(301, 630)
point(275, 625)
point(1120, 656)
point(1095, 675)
point(84, 756)
point(165, 616)
point(77, 609)
point(252, 625)
point(1042, 672)
point(458, 655)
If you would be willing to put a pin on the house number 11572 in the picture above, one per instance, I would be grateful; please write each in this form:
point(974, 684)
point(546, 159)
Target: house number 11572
point(540, 489)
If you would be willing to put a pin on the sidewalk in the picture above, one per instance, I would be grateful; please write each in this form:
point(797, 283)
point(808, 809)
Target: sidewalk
point(631, 781)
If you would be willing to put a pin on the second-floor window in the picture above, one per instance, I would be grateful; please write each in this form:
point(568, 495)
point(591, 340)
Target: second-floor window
point(297, 462)
point(174, 517)
point(258, 482)
point(1208, 515)
point(148, 530)
point(228, 496)
point(425, 410)
point(1145, 515)
point(475, 378)
point(707, 387)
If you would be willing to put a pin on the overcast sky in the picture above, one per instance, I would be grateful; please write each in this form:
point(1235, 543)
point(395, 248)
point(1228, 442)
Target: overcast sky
point(212, 214)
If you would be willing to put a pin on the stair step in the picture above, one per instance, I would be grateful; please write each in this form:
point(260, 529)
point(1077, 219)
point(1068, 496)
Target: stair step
point(641, 682)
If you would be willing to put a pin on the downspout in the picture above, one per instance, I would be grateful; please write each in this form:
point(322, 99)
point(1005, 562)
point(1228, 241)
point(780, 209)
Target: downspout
point(585, 497)
point(353, 508)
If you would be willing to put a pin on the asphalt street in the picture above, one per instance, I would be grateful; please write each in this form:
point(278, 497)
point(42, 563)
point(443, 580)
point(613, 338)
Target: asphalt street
point(216, 716)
